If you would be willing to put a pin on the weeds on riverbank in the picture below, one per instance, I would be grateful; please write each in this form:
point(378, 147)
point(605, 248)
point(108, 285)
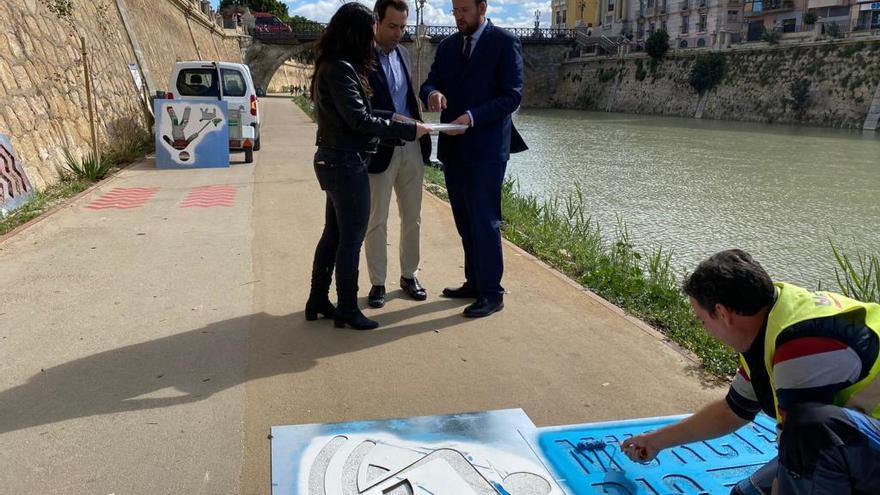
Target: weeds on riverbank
point(858, 274)
point(304, 103)
point(561, 233)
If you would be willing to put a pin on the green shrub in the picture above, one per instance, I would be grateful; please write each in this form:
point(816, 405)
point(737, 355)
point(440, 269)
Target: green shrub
point(657, 44)
point(810, 18)
point(641, 73)
point(605, 76)
point(800, 95)
point(89, 167)
point(771, 36)
point(833, 30)
point(128, 148)
point(707, 72)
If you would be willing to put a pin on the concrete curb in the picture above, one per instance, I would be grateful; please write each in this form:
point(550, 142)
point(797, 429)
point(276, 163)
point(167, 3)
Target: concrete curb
point(68, 202)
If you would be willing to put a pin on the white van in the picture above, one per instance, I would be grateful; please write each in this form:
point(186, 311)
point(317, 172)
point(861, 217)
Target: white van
point(200, 80)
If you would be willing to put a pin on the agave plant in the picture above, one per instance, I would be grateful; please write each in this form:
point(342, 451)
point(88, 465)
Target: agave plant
point(89, 167)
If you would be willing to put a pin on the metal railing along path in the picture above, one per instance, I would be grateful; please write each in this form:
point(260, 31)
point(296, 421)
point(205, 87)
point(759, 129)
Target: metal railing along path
point(300, 31)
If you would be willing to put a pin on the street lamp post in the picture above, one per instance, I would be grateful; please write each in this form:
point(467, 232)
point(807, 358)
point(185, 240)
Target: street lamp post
point(421, 36)
point(537, 20)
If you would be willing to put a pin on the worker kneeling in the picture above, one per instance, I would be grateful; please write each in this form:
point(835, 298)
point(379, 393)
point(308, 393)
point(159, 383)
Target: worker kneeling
point(809, 359)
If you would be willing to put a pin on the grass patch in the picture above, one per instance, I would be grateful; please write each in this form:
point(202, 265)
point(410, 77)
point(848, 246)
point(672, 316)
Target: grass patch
point(129, 145)
point(562, 234)
point(303, 102)
point(42, 201)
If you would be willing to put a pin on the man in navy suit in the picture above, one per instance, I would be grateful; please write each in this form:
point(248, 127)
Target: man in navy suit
point(476, 80)
point(396, 165)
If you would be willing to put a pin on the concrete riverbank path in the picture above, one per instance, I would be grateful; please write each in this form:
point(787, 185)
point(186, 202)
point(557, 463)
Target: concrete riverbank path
point(152, 331)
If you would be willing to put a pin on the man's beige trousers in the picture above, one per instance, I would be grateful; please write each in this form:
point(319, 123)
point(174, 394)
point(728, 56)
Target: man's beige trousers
point(405, 175)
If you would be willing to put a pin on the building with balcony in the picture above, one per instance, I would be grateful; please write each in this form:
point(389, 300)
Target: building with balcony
point(558, 14)
point(690, 23)
point(614, 19)
point(784, 16)
point(866, 15)
point(571, 14)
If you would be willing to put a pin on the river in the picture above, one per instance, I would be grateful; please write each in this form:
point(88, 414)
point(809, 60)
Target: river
point(695, 187)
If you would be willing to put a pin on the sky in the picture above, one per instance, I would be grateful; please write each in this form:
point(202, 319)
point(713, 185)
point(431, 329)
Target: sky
point(505, 13)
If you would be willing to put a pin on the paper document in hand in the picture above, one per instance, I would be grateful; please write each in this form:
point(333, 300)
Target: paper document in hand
point(446, 127)
point(402, 118)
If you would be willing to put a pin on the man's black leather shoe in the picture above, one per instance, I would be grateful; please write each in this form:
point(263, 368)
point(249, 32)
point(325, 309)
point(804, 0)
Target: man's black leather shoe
point(463, 292)
point(376, 299)
point(483, 307)
point(413, 288)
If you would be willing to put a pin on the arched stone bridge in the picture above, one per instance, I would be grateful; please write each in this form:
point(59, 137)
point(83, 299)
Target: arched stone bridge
point(543, 51)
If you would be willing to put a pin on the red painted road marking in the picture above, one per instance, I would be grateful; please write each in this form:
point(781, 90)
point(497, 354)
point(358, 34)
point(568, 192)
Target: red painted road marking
point(208, 196)
point(124, 198)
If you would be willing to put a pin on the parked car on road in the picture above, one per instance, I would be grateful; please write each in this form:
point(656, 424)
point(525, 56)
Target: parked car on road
point(268, 23)
point(230, 82)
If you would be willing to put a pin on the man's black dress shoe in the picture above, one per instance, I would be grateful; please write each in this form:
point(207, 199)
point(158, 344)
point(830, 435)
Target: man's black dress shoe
point(483, 306)
point(413, 288)
point(376, 299)
point(463, 292)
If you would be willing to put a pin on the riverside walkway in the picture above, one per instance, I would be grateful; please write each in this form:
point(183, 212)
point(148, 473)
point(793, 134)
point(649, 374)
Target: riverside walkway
point(152, 331)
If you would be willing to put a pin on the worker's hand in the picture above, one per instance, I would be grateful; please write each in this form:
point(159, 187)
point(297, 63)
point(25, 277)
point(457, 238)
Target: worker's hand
point(436, 102)
point(640, 448)
point(421, 130)
point(464, 119)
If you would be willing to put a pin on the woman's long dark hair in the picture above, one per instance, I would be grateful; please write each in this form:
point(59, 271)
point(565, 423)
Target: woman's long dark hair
point(349, 37)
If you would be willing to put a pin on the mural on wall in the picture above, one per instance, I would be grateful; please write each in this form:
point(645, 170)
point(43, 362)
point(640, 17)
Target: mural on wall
point(183, 141)
point(502, 453)
point(15, 188)
point(461, 454)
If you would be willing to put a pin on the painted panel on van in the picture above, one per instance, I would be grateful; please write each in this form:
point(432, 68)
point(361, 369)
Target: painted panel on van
point(191, 134)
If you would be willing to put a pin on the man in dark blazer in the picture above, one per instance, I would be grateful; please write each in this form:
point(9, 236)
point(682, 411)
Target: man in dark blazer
point(397, 165)
point(476, 80)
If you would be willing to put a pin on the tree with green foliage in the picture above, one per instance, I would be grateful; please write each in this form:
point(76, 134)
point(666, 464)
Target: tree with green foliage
point(657, 44)
point(810, 18)
point(274, 7)
point(707, 72)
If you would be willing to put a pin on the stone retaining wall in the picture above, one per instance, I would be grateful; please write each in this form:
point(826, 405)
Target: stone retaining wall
point(757, 85)
point(42, 92)
point(290, 74)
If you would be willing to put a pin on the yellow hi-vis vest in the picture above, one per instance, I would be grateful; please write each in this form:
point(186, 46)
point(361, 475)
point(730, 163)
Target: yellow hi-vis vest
point(794, 305)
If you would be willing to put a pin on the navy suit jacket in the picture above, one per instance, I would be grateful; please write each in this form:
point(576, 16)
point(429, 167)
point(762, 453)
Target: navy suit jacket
point(381, 100)
point(489, 85)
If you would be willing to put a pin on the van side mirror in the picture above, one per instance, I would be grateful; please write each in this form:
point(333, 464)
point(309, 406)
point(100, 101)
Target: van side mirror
point(260, 91)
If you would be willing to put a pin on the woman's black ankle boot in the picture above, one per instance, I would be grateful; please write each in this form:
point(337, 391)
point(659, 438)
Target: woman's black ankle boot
point(322, 306)
point(355, 319)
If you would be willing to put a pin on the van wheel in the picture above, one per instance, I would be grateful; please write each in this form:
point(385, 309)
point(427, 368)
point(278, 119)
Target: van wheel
point(249, 156)
point(257, 144)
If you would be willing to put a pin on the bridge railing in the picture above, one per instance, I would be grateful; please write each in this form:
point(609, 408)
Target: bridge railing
point(305, 31)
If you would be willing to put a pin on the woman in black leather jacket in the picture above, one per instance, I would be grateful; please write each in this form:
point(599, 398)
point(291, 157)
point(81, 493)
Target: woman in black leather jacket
point(348, 133)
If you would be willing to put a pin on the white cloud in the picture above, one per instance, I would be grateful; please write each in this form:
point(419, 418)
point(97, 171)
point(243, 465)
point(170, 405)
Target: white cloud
point(505, 13)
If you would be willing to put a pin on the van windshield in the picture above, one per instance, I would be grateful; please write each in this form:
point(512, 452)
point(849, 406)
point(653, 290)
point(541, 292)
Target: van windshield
point(198, 82)
point(233, 83)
